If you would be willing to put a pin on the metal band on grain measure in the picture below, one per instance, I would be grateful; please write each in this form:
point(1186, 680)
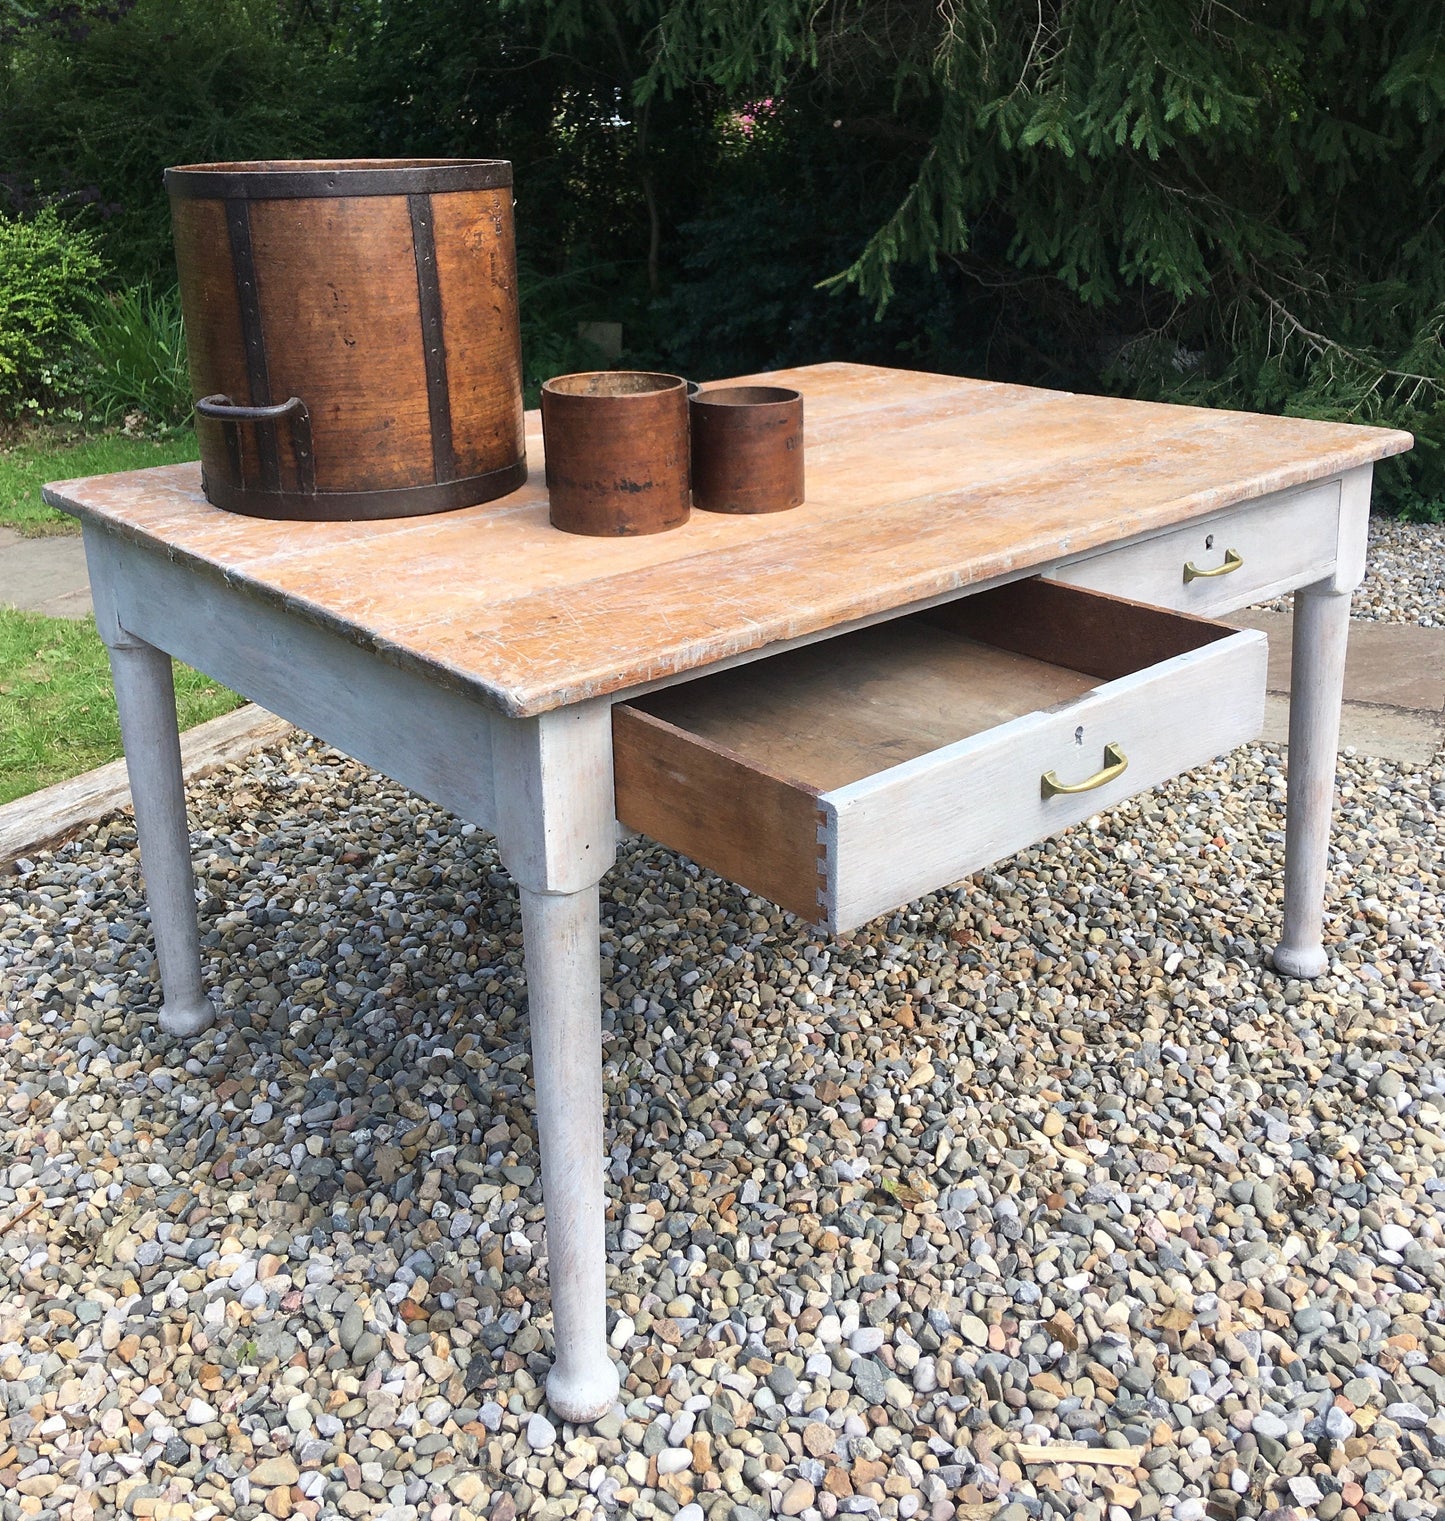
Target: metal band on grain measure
point(248, 296)
point(433, 339)
point(289, 179)
point(353, 506)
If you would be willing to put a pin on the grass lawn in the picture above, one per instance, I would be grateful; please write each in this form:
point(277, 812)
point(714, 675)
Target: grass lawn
point(57, 709)
point(41, 456)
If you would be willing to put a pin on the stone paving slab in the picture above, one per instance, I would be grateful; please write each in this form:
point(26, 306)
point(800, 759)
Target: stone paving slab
point(1394, 664)
point(1394, 734)
point(44, 575)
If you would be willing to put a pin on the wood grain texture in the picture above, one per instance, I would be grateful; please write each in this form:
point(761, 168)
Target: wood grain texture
point(391, 314)
point(214, 346)
point(345, 340)
point(833, 713)
point(476, 266)
point(982, 481)
point(1103, 636)
point(725, 812)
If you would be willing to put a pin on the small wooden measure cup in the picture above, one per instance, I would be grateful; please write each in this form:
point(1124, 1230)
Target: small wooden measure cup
point(617, 452)
point(747, 449)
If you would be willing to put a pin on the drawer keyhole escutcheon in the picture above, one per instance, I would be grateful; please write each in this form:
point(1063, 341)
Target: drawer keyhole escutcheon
point(1232, 562)
point(1116, 763)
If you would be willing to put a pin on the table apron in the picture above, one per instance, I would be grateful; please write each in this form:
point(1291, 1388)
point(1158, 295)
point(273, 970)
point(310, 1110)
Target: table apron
point(431, 739)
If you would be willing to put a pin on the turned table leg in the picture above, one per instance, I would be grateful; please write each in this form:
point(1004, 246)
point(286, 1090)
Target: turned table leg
point(561, 935)
point(1317, 686)
point(558, 837)
point(1321, 628)
point(145, 696)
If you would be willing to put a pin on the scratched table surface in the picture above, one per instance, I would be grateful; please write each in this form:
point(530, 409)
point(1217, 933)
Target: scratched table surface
point(918, 485)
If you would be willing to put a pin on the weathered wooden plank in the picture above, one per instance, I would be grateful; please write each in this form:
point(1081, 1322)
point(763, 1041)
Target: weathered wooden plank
point(751, 827)
point(53, 815)
point(1077, 1452)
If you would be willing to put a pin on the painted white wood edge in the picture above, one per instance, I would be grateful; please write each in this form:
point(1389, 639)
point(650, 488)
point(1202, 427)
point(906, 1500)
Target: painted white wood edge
point(555, 806)
point(926, 822)
point(146, 700)
point(1320, 636)
point(431, 739)
point(47, 818)
point(561, 953)
point(1326, 490)
point(1289, 540)
point(1355, 488)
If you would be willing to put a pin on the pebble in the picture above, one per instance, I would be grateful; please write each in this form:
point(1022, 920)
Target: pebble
point(1394, 1238)
point(1052, 1155)
point(271, 1472)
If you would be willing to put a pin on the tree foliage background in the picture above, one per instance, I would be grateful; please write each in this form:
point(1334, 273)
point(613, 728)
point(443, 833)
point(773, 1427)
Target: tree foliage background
point(1236, 205)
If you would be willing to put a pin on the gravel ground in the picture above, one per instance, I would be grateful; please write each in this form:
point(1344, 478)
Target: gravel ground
point(1049, 1159)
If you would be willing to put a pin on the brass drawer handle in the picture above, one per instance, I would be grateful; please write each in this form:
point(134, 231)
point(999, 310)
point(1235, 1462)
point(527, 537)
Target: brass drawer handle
point(1116, 763)
point(1232, 561)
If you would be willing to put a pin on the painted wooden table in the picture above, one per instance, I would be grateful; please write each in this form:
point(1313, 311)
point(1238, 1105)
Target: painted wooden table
point(545, 686)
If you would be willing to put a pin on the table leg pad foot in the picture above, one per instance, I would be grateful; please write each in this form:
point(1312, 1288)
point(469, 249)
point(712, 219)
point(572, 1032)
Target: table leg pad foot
point(583, 1394)
point(1307, 962)
point(188, 1017)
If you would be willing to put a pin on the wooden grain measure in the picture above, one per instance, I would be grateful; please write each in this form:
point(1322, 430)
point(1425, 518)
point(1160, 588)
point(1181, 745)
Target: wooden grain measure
point(353, 334)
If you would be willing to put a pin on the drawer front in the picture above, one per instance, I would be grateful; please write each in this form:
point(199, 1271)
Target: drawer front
point(908, 831)
point(844, 780)
point(1281, 542)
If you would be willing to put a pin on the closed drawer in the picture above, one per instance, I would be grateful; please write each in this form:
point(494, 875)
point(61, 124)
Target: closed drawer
point(850, 776)
point(1245, 556)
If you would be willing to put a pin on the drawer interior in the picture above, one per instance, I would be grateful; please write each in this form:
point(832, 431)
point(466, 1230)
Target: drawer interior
point(836, 712)
point(849, 775)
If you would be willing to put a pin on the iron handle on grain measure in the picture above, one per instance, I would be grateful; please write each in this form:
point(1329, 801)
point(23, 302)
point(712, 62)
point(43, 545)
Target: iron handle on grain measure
point(1116, 763)
point(1232, 562)
point(223, 409)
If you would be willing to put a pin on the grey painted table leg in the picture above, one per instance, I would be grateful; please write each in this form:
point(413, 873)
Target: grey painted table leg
point(1317, 686)
point(558, 837)
point(566, 1024)
point(1321, 629)
point(145, 696)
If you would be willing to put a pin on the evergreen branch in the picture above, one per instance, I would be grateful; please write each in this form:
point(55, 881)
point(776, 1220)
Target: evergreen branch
point(1324, 344)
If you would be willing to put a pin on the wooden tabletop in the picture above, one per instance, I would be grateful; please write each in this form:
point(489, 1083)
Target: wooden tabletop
point(918, 485)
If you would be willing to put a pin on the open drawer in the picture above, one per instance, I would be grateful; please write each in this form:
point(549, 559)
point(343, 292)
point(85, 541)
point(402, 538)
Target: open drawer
point(850, 776)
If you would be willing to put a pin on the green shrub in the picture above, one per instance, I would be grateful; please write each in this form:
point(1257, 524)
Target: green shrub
point(136, 357)
point(95, 108)
point(48, 275)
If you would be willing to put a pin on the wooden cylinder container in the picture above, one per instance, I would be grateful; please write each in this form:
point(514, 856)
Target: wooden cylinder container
point(747, 449)
point(353, 336)
point(616, 444)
